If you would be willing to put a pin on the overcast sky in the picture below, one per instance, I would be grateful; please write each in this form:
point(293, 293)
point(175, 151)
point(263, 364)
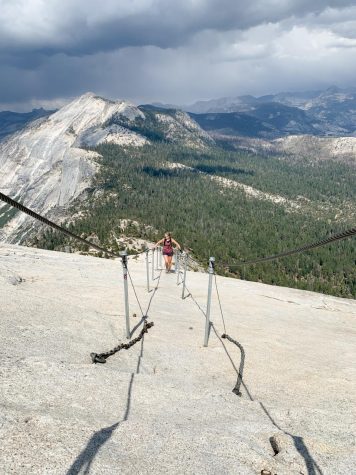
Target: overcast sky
point(175, 51)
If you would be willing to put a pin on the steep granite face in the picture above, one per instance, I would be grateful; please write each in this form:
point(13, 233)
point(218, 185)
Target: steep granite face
point(44, 165)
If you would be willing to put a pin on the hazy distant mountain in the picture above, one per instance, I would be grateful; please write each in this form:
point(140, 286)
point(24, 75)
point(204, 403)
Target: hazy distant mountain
point(269, 120)
point(323, 113)
point(234, 123)
point(11, 122)
point(340, 149)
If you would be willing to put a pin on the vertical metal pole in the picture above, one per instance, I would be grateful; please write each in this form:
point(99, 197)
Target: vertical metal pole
point(177, 266)
point(153, 264)
point(160, 257)
point(207, 318)
point(147, 270)
point(123, 255)
point(157, 257)
point(185, 257)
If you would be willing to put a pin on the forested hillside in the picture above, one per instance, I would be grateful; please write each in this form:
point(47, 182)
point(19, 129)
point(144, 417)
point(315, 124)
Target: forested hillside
point(164, 187)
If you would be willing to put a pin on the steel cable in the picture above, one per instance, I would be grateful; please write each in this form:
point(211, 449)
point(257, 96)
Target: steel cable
point(53, 225)
point(42, 219)
point(133, 287)
point(307, 247)
point(33, 214)
point(136, 254)
point(221, 310)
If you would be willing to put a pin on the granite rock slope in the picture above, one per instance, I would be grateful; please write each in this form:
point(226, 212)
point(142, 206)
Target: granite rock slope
point(166, 405)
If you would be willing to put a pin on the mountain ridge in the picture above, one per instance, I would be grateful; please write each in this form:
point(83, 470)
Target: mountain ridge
point(330, 112)
point(49, 162)
point(96, 164)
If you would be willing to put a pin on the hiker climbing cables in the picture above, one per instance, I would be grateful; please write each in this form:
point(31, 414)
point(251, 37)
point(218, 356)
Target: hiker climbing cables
point(167, 251)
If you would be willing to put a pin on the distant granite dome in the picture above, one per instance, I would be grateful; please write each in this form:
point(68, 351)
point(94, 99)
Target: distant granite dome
point(47, 164)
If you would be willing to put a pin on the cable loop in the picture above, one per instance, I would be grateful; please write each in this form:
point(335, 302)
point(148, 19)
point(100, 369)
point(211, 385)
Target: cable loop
point(102, 357)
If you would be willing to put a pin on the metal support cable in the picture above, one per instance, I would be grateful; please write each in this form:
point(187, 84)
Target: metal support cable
point(33, 214)
point(307, 247)
point(42, 219)
point(133, 287)
point(221, 310)
point(53, 225)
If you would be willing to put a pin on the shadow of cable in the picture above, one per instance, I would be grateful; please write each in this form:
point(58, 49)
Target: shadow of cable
point(83, 462)
point(154, 292)
point(312, 466)
point(196, 303)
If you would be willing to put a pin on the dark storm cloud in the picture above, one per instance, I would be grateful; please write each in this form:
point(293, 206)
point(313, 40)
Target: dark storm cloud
point(169, 50)
point(85, 27)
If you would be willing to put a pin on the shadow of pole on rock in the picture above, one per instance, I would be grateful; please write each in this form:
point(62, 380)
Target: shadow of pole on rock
point(312, 466)
point(83, 462)
point(140, 356)
point(128, 402)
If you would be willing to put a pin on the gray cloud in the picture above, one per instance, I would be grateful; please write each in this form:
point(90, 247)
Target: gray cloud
point(168, 50)
point(80, 27)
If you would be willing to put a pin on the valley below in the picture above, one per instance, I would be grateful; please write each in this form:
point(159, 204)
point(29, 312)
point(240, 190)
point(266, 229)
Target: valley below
point(95, 164)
